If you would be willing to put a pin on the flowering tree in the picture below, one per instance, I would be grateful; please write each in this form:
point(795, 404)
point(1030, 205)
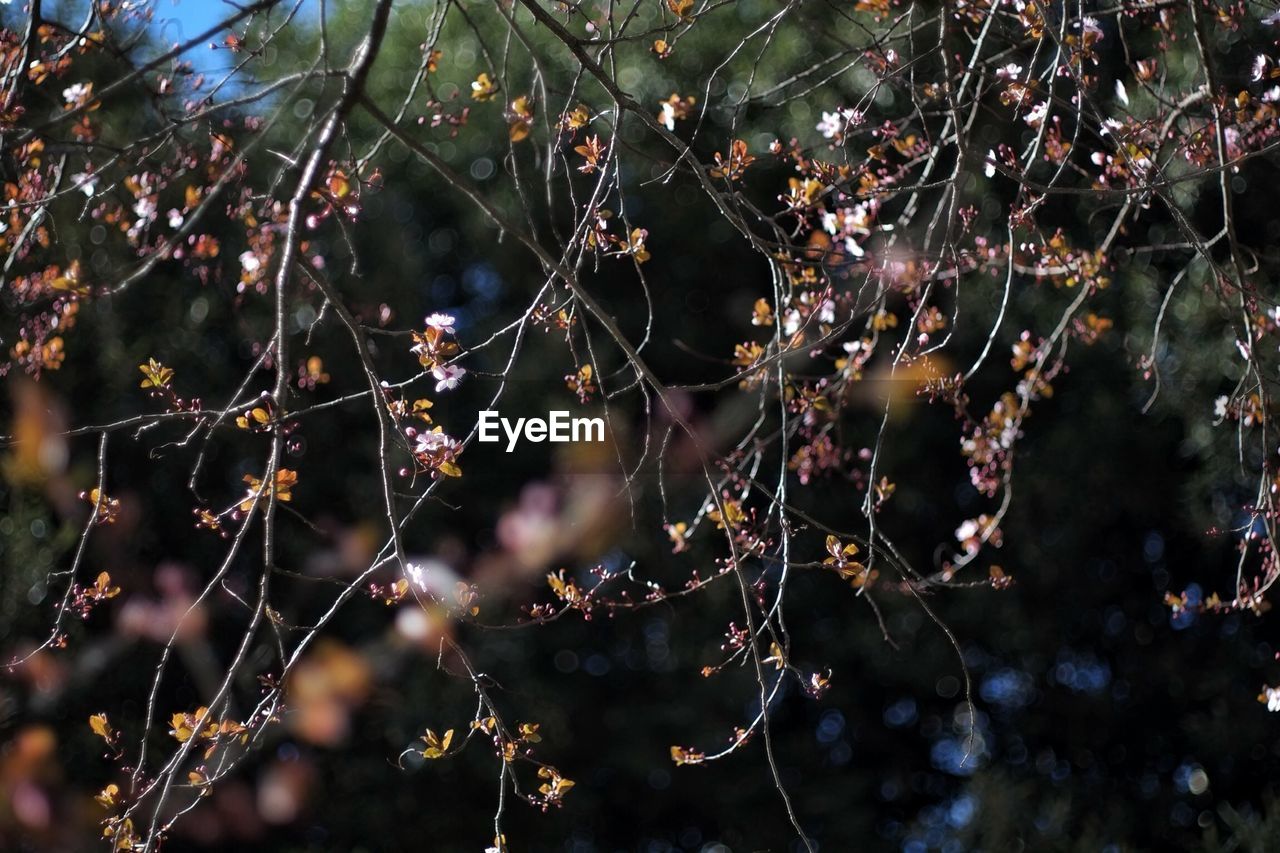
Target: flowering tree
point(930, 211)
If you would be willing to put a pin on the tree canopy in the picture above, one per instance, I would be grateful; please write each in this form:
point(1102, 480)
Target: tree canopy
point(931, 345)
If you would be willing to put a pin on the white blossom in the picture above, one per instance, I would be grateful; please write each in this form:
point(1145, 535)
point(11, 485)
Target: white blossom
point(145, 209)
point(441, 322)
point(827, 312)
point(1091, 26)
point(447, 376)
point(433, 442)
point(86, 182)
point(791, 321)
point(831, 124)
point(76, 93)
point(668, 116)
point(1122, 93)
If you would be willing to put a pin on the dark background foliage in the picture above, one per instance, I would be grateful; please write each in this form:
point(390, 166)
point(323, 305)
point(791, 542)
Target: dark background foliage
point(1104, 723)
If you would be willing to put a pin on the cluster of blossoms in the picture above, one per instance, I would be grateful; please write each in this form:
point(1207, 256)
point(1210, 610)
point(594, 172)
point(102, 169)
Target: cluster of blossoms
point(434, 350)
point(433, 451)
point(869, 222)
